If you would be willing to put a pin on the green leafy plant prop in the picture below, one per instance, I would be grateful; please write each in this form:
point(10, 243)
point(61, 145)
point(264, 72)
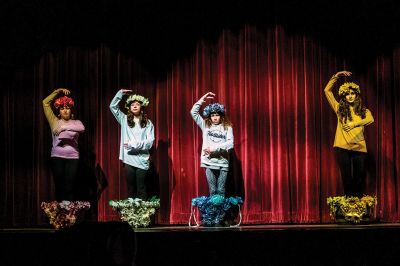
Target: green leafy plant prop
point(136, 212)
point(65, 213)
point(352, 209)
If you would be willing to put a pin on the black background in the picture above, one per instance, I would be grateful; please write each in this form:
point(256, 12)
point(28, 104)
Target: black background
point(157, 33)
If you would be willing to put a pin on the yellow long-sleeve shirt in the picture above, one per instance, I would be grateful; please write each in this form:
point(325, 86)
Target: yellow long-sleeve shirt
point(354, 139)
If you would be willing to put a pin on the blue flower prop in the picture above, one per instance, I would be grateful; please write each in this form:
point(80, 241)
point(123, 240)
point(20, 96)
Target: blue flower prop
point(213, 108)
point(214, 208)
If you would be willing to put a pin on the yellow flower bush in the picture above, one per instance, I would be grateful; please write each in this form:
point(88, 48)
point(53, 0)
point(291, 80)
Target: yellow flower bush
point(352, 209)
point(65, 213)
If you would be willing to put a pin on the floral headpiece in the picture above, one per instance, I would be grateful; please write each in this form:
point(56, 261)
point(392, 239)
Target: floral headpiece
point(345, 88)
point(213, 108)
point(136, 97)
point(64, 101)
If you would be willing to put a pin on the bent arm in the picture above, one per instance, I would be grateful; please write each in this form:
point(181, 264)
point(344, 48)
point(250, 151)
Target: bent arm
point(194, 112)
point(77, 126)
point(369, 119)
point(329, 94)
point(228, 144)
point(148, 142)
point(70, 130)
point(196, 108)
point(114, 107)
point(48, 112)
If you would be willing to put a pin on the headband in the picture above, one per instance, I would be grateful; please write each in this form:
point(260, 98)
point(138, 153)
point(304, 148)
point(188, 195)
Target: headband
point(63, 102)
point(213, 108)
point(136, 97)
point(345, 88)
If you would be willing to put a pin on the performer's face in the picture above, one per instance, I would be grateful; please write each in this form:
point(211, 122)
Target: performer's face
point(136, 107)
point(65, 113)
point(215, 118)
point(351, 96)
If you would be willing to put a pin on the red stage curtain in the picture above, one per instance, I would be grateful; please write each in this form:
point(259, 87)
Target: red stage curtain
point(271, 83)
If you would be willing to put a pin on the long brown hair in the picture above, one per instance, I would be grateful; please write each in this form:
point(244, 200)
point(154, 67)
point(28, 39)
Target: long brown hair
point(142, 118)
point(344, 108)
point(224, 121)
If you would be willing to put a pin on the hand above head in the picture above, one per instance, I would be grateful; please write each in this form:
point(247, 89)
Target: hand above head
point(342, 74)
point(126, 91)
point(208, 95)
point(63, 90)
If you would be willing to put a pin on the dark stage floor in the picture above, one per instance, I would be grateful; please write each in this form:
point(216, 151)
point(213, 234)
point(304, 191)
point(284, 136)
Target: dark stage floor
point(115, 243)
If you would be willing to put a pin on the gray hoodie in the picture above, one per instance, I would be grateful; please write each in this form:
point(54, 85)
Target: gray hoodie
point(219, 139)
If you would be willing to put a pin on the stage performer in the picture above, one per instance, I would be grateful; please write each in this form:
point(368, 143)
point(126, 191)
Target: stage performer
point(137, 137)
point(65, 152)
point(350, 145)
point(217, 141)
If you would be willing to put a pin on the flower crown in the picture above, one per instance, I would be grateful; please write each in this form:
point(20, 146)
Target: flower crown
point(345, 88)
point(136, 97)
point(64, 101)
point(213, 108)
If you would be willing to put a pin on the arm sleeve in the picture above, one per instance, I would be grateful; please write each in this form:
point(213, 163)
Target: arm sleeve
point(196, 115)
point(228, 144)
point(147, 143)
point(329, 95)
point(114, 107)
point(369, 119)
point(48, 112)
point(67, 135)
point(77, 126)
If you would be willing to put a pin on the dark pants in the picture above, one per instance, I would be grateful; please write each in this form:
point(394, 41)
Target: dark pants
point(353, 171)
point(65, 178)
point(136, 182)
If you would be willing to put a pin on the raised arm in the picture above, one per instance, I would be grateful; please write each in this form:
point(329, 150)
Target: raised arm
point(328, 88)
point(196, 107)
point(114, 105)
point(48, 112)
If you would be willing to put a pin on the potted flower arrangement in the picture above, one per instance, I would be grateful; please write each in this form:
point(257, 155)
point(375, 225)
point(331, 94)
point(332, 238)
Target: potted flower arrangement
point(352, 209)
point(65, 213)
point(213, 209)
point(136, 212)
